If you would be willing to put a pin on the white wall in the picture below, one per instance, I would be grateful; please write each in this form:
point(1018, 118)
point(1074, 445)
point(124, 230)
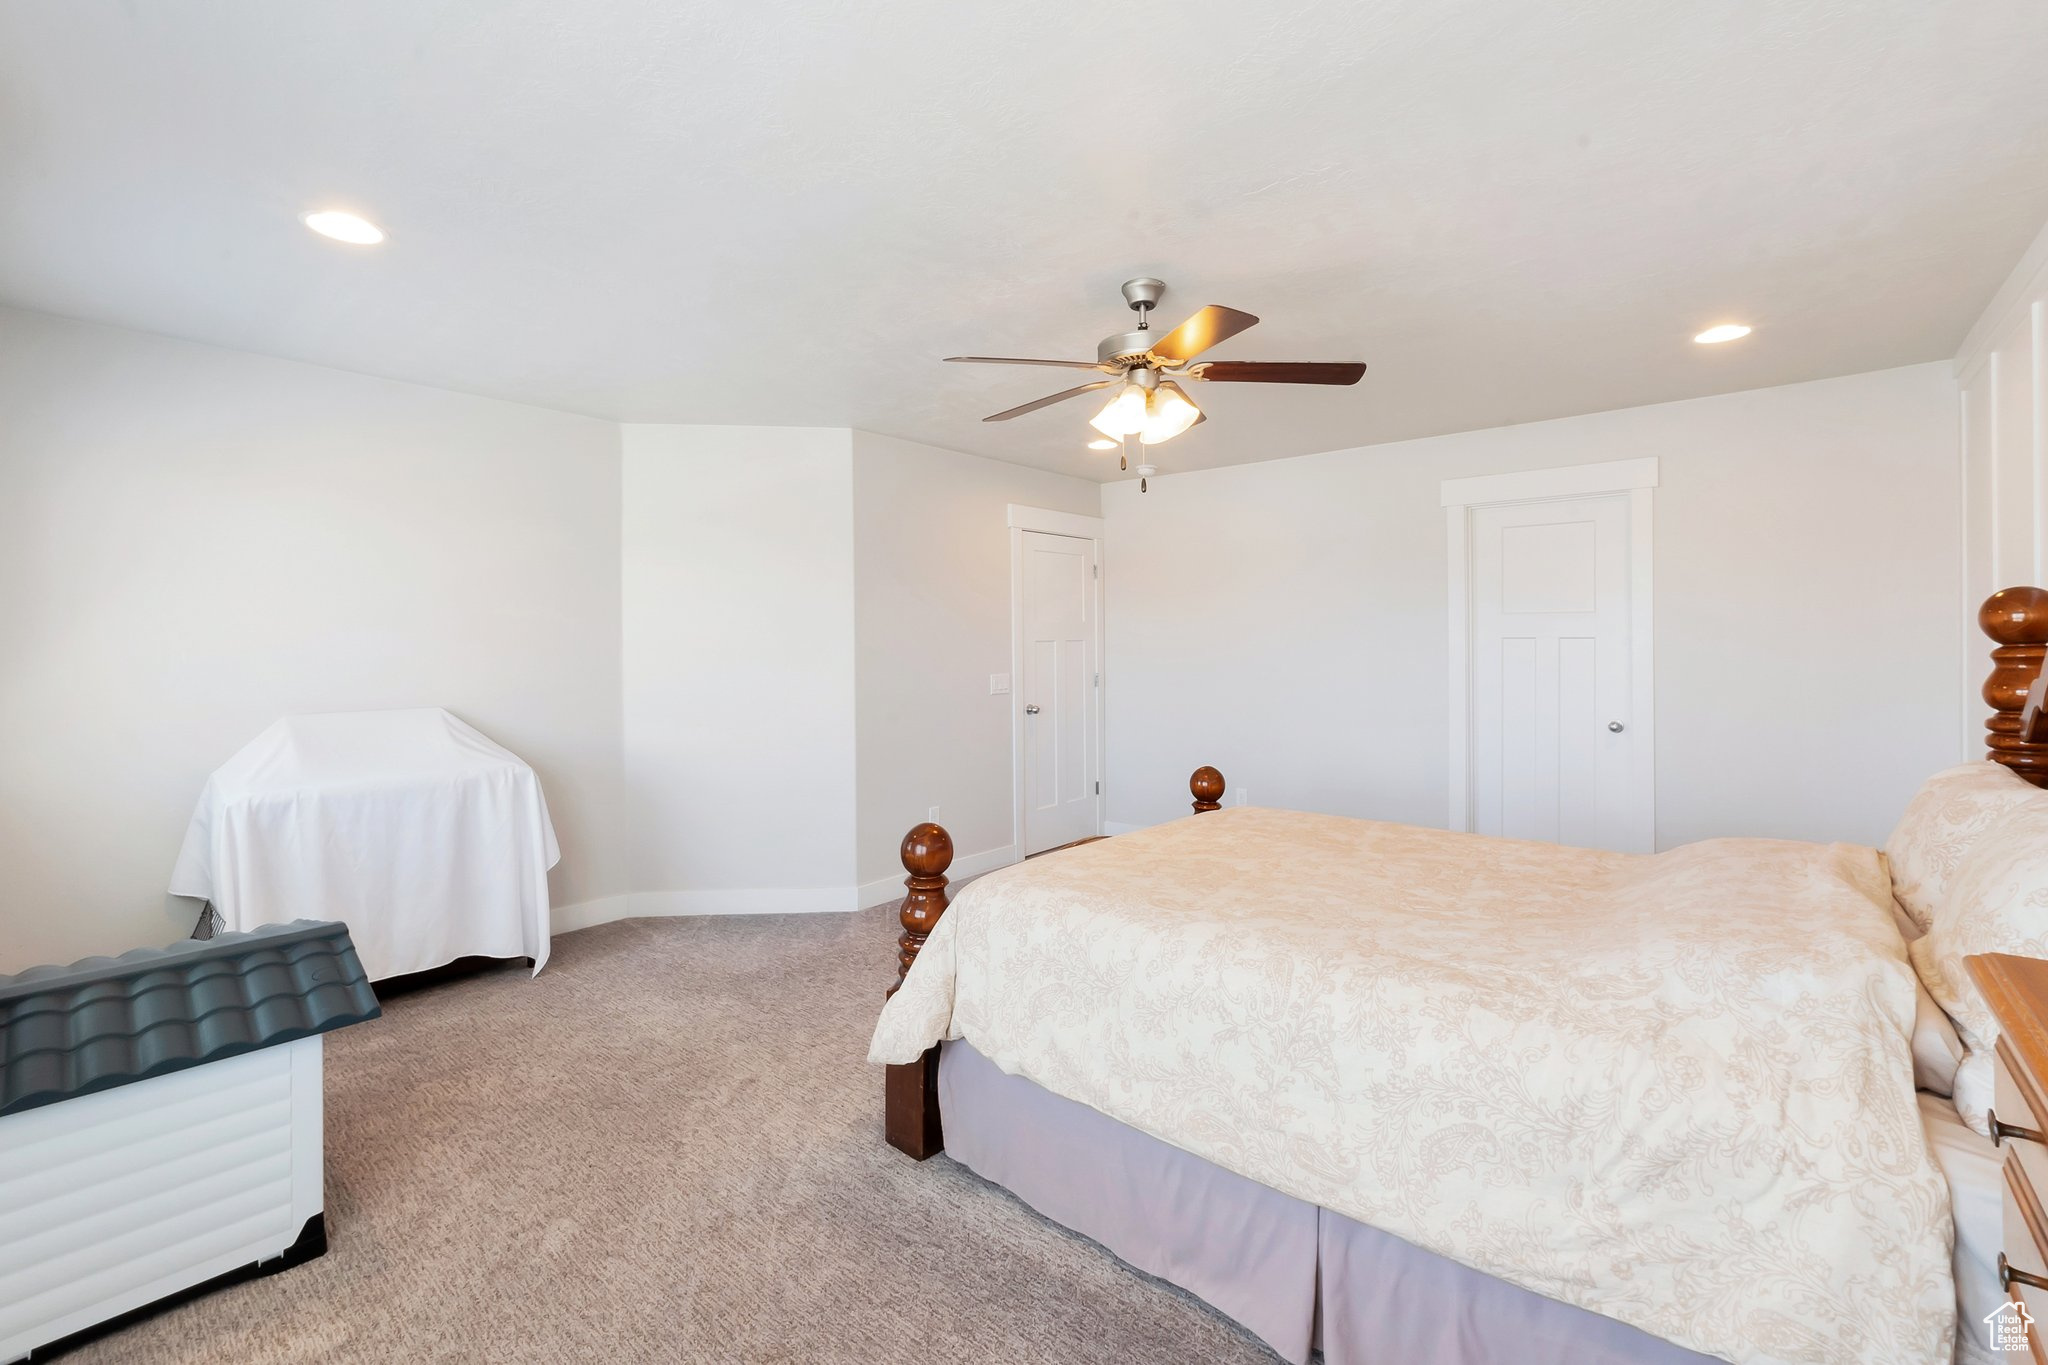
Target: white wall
point(1287, 621)
point(662, 620)
point(737, 573)
point(195, 541)
point(744, 660)
point(2003, 374)
point(932, 611)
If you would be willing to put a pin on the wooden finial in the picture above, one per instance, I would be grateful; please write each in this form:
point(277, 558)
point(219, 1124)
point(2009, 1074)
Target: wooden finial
point(2016, 619)
point(1207, 786)
point(927, 852)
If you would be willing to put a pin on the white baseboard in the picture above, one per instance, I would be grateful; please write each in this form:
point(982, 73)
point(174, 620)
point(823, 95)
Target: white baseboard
point(1118, 827)
point(565, 919)
point(747, 900)
point(973, 865)
point(805, 900)
point(875, 893)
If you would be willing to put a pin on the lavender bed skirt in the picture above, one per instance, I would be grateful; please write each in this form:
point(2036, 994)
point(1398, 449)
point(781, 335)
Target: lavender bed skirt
point(1300, 1277)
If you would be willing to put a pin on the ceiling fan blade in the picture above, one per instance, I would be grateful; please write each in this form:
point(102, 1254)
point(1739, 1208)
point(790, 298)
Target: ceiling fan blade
point(1207, 327)
point(1049, 400)
point(1011, 360)
point(1277, 372)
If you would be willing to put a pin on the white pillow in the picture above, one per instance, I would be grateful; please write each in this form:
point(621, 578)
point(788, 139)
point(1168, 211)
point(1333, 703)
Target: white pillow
point(1976, 1090)
point(1996, 902)
point(1941, 822)
point(1937, 1051)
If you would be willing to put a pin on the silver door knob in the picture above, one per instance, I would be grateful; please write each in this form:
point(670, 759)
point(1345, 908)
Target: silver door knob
point(1615, 726)
point(1031, 710)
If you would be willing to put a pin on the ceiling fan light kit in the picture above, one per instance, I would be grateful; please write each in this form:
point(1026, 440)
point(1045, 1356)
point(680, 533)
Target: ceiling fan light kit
point(1143, 366)
point(1127, 413)
point(1169, 412)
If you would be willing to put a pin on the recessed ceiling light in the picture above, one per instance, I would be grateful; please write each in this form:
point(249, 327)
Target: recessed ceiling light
point(345, 227)
point(1104, 444)
point(1727, 331)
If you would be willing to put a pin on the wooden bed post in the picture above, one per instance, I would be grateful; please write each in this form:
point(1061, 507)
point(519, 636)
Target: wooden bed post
point(2016, 733)
point(927, 852)
point(1207, 785)
point(910, 1104)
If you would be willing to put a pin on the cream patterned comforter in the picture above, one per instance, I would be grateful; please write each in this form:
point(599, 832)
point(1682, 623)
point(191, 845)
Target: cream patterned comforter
point(1672, 1089)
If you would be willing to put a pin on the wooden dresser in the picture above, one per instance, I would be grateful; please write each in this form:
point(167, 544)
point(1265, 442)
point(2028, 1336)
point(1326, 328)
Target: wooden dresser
point(2017, 990)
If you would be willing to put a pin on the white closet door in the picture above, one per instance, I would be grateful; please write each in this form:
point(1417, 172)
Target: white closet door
point(1059, 693)
point(1553, 744)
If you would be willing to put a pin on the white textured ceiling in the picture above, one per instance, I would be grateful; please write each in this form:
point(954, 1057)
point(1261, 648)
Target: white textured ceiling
point(788, 212)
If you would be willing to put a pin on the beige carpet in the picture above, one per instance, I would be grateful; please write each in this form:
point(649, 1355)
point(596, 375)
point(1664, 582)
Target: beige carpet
point(667, 1147)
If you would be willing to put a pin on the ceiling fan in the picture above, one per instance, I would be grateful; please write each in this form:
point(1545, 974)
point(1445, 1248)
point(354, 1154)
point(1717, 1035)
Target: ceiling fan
point(1149, 405)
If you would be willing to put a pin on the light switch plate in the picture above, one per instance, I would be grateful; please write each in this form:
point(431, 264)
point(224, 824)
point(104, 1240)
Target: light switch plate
point(998, 684)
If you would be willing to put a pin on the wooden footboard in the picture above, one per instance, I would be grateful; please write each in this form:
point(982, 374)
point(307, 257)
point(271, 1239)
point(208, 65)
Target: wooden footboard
point(910, 1106)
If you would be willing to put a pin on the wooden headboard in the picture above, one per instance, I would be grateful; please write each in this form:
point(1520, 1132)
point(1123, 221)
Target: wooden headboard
point(2016, 733)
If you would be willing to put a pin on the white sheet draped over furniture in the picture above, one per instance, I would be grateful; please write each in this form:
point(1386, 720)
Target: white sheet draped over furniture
point(1673, 1089)
point(428, 840)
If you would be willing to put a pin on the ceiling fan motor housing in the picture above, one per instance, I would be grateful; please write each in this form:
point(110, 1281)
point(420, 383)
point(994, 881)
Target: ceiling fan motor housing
point(1123, 348)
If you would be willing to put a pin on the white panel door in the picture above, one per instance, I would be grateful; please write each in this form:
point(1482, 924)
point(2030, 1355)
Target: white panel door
point(1552, 737)
point(1060, 692)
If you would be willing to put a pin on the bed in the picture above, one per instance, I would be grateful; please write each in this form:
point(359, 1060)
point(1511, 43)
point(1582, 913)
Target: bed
point(1399, 1094)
